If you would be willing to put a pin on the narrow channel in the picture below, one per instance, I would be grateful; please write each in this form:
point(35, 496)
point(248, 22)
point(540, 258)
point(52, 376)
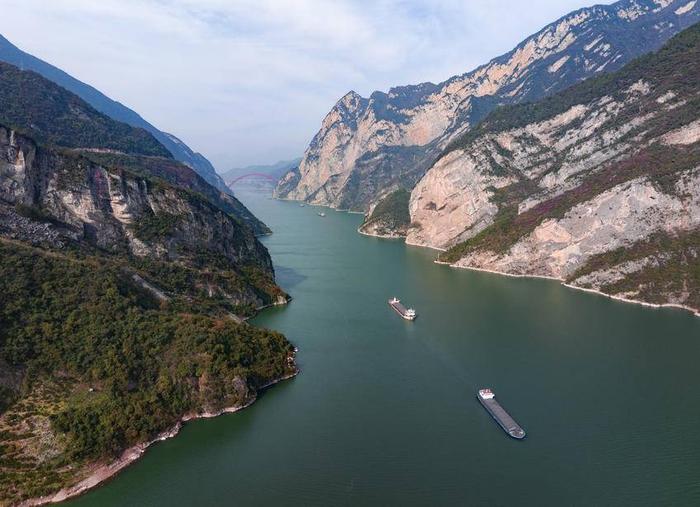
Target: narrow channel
point(385, 409)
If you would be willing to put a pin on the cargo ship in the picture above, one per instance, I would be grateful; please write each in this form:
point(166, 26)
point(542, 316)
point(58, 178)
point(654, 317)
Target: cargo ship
point(406, 313)
point(505, 421)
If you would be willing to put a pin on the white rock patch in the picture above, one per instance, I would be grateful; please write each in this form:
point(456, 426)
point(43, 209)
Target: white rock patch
point(686, 8)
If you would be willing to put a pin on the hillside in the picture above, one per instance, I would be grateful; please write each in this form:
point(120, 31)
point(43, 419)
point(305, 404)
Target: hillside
point(52, 115)
point(390, 217)
point(598, 185)
point(179, 150)
point(368, 147)
point(93, 363)
point(124, 282)
point(105, 274)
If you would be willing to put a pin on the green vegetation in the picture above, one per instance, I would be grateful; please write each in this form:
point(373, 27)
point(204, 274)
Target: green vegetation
point(99, 349)
point(53, 115)
point(675, 268)
point(391, 213)
point(32, 213)
point(154, 226)
point(109, 365)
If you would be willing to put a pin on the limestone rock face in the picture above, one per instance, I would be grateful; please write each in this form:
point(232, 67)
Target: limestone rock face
point(616, 218)
point(368, 147)
point(453, 201)
point(598, 185)
point(72, 200)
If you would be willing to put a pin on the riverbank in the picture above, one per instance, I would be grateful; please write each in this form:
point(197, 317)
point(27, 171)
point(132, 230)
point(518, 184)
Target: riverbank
point(394, 237)
point(575, 287)
point(315, 205)
point(380, 236)
point(97, 474)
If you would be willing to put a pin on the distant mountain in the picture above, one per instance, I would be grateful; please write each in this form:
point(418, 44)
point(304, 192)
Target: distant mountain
point(598, 185)
point(115, 110)
point(54, 115)
point(369, 147)
point(274, 171)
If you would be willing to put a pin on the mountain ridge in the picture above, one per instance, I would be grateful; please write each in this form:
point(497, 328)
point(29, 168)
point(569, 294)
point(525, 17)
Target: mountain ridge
point(597, 186)
point(114, 109)
point(367, 148)
point(55, 116)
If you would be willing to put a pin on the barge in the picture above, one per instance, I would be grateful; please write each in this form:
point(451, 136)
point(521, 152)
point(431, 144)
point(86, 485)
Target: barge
point(406, 313)
point(505, 421)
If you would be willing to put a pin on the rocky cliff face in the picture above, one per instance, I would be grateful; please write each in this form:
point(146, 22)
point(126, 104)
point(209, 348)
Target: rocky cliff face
point(54, 116)
point(367, 148)
point(70, 200)
point(575, 186)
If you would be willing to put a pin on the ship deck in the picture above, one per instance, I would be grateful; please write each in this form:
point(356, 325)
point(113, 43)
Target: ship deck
point(399, 308)
point(503, 418)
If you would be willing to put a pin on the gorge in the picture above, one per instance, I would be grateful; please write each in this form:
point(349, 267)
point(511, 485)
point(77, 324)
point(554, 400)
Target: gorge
point(595, 185)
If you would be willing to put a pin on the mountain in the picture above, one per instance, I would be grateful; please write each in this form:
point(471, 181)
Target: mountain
point(55, 116)
point(180, 151)
point(598, 186)
point(124, 281)
point(51, 114)
point(369, 147)
point(272, 172)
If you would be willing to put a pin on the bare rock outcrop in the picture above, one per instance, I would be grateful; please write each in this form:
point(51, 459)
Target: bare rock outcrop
point(367, 147)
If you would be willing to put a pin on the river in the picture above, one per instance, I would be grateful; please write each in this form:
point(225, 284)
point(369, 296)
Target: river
point(384, 410)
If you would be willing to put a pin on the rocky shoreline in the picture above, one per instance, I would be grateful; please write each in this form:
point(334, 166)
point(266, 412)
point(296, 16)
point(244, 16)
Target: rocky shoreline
point(381, 236)
point(575, 287)
point(100, 473)
point(514, 275)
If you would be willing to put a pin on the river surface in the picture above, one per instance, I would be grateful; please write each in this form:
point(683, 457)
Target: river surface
point(384, 411)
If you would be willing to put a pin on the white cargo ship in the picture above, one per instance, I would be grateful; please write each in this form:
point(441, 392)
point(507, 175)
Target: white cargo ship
point(406, 313)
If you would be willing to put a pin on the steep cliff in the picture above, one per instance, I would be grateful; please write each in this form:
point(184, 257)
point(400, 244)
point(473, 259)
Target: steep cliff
point(90, 206)
point(53, 115)
point(598, 185)
point(368, 147)
point(115, 110)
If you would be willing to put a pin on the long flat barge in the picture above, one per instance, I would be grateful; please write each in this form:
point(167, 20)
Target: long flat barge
point(504, 420)
point(406, 313)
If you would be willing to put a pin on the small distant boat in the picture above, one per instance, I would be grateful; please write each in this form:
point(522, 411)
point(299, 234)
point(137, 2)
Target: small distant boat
point(406, 313)
point(322, 214)
point(302, 205)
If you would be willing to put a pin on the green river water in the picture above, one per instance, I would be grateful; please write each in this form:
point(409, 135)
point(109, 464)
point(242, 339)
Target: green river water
point(384, 411)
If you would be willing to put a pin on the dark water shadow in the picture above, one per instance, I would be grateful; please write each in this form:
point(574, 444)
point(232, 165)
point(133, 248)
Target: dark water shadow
point(288, 278)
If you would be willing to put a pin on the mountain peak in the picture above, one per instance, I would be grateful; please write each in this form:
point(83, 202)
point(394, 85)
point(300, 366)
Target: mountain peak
point(357, 157)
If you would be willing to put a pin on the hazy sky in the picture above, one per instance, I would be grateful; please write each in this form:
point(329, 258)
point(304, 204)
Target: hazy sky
point(249, 81)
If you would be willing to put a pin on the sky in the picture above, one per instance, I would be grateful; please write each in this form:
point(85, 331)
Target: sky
point(249, 81)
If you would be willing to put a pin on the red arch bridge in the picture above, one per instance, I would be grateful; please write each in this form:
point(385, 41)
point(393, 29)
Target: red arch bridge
point(262, 176)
